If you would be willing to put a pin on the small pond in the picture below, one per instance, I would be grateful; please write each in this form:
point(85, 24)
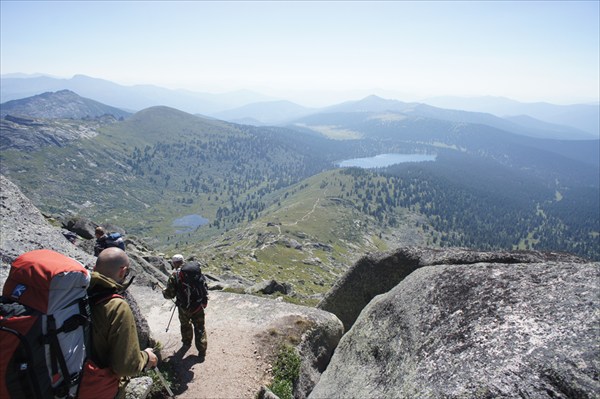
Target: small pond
point(188, 223)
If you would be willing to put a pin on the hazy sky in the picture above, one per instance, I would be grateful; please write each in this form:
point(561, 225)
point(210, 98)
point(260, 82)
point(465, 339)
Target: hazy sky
point(316, 52)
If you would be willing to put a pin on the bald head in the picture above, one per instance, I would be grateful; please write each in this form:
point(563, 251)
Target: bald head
point(112, 262)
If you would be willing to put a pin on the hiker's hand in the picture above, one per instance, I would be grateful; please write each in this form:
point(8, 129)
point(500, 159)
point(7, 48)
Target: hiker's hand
point(152, 359)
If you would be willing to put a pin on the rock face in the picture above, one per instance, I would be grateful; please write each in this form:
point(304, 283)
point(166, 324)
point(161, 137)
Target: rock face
point(482, 330)
point(270, 287)
point(23, 228)
point(378, 273)
point(29, 134)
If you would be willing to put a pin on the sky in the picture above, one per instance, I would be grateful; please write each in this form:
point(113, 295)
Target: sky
point(316, 53)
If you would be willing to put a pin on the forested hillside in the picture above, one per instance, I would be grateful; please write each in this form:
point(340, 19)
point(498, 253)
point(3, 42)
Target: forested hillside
point(320, 225)
point(487, 189)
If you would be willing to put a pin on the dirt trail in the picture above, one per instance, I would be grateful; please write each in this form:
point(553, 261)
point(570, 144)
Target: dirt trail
point(233, 367)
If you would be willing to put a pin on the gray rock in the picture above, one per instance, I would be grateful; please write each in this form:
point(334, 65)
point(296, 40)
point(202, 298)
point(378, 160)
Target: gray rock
point(316, 349)
point(522, 330)
point(159, 263)
point(23, 228)
point(31, 134)
point(145, 273)
point(294, 244)
point(138, 388)
point(83, 227)
point(375, 274)
point(270, 287)
point(266, 393)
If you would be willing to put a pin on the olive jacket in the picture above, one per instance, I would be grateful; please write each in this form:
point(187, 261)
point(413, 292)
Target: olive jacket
point(114, 333)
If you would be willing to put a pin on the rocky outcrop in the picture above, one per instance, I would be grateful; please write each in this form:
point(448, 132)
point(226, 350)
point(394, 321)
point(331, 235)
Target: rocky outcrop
point(63, 104)
point(23, 228)
point(375, 274)
point(509, 329)
point(270, 287)
point(85, 228)
point(33, 135)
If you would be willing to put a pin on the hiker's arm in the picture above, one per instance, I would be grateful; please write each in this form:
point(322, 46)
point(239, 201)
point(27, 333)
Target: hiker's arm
point(126, 358)
point(205, 301)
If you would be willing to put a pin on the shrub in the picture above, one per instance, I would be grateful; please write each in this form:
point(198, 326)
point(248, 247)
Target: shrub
point(285, 372)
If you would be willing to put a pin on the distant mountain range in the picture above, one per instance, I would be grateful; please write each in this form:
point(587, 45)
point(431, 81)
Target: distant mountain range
point(265, 113)
point(526, 126)
point(578, 121)
point(585, 117)
point(129, 98)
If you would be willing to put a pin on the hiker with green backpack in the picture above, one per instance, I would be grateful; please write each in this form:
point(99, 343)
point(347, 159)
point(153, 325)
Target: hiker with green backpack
point(188, 286)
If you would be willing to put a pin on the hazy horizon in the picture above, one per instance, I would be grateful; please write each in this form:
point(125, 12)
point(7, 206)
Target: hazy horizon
point(316, 53)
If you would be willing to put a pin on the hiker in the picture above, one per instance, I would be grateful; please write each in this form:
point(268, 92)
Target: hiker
point(105, 240)
point(114, 335)
point(187, 284)
point(100, 240)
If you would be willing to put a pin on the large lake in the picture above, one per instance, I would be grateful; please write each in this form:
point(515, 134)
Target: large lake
point(188, 223)
point(383, 160)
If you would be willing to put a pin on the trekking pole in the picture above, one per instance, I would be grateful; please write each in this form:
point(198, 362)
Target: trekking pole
point(170, 318)
point(163, 381)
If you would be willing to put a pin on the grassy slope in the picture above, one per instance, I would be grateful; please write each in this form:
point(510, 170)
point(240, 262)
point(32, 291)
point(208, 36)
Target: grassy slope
point(308, 238)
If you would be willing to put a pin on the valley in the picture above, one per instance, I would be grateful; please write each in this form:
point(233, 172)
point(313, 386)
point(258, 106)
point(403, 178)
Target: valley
point(275, 206)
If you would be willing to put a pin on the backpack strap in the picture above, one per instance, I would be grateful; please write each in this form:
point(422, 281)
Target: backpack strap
point(27, 377)
point(57, 356)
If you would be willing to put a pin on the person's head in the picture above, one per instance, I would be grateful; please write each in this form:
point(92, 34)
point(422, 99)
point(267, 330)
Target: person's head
point(113, 262)
point(177, 261)
point(99, 232)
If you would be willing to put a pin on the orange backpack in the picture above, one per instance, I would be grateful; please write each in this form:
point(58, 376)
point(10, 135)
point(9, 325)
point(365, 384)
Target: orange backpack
point(44, 325)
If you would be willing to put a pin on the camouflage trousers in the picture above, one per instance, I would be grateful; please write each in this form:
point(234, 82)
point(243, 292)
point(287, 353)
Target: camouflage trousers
point(192, 326)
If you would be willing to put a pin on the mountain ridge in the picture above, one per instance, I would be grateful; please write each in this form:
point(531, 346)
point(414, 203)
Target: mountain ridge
point(62, 104)
point(583, 117)
point(375, 104)
point(126, 97)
